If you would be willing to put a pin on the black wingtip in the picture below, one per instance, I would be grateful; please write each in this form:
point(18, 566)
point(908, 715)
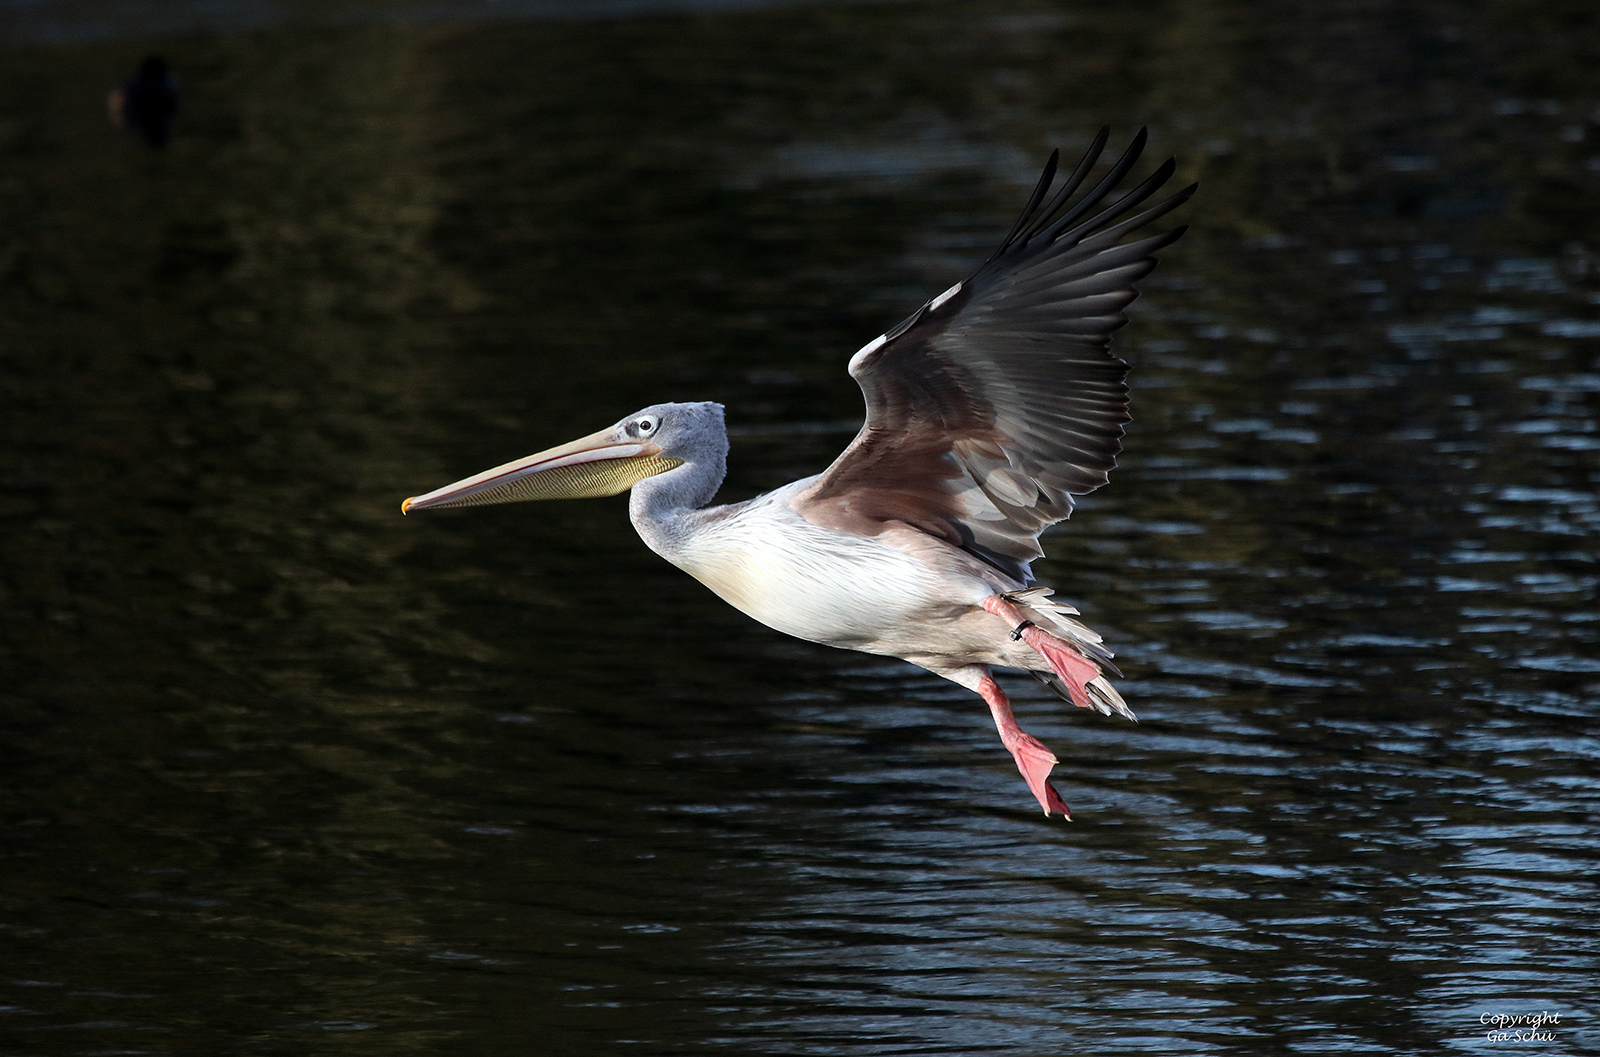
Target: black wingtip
point(1033, 217)
point(1040, 189)
point(1061, 227)
point(1043, 223)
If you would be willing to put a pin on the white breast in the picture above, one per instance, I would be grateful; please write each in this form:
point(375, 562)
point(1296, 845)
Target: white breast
point(857, 592)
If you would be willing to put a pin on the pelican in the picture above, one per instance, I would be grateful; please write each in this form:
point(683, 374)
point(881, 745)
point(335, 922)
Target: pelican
point(988, 410)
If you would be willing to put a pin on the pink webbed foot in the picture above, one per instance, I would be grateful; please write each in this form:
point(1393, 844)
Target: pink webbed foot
point(1033, 759)
point(1035, 762)
point(1075, 669)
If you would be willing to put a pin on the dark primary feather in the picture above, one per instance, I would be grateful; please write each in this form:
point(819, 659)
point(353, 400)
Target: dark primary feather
point(996, 402)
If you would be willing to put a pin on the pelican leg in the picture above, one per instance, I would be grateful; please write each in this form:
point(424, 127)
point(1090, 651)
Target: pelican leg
point(1033, 759)
point(1075, 669)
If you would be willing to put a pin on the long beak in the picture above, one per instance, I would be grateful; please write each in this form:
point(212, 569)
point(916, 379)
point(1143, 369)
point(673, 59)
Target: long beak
point(603, 463)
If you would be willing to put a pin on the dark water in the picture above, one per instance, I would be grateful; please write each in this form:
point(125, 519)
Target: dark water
point(283, 773)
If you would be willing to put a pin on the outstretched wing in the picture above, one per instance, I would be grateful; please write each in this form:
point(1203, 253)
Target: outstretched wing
point(999, 400)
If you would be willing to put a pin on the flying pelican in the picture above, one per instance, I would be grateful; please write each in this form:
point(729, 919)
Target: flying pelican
point(988, 409)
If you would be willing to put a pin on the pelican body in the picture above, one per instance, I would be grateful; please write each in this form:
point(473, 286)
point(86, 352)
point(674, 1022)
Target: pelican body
point(988, 410)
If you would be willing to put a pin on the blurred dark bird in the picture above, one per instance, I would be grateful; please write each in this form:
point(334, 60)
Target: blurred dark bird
point(987, 411)
point(148, 103)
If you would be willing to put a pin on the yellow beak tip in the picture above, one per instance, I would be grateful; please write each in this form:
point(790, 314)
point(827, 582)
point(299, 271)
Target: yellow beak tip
point(405, 507)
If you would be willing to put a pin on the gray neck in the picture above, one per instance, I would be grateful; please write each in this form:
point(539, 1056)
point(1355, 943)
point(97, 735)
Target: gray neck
point(664, 508)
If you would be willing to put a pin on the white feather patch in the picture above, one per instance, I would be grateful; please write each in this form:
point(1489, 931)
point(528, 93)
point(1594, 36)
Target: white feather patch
point(942, 298)
point(867, 350)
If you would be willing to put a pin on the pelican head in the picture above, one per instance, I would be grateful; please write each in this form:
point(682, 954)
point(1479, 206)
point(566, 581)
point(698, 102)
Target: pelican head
point(659, 438)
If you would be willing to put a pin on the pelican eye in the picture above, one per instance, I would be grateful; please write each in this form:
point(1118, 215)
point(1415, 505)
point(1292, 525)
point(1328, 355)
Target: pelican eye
point(647, 425)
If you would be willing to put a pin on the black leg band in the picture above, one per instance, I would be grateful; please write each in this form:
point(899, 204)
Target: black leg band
point(1016, 632)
